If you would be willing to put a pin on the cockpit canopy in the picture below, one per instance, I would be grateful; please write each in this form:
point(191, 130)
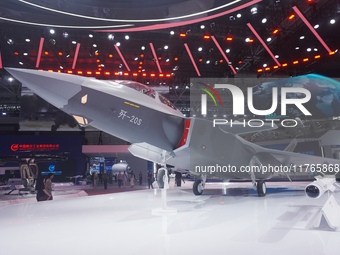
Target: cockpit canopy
point(146, 91)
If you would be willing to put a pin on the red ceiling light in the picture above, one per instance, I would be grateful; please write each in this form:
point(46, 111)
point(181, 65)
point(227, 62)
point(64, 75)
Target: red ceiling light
point(229, 38)
point(176, 58)
point(116, 73)
point(107, 73)
point(126, 74)
point(135, 74)
point(331, 53)
point(291, 17)
point(295, 62)
point(275, 31)
point(110, 55)
point(206, 37)
point(144, 74)
point(259, 70)
point(97, 73)
point(200, 60)
point(16, 53)
point(152, 75)
point(80, 72)
point(161, 75)
point(96, 53)
point(305, 60)
point(60, 53)
point(275, 67)
point(182, 35)
point(284, 65)
point(168, 75)
point(70, 72)
point(221, 61)
point(97, 60)
point(317, 56)
point(46, 52)
point(141, 55)
point(89, 72)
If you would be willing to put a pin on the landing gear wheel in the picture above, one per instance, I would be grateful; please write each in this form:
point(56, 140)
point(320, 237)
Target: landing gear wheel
point(261, 188)
point(160, 179)
point(198, 187)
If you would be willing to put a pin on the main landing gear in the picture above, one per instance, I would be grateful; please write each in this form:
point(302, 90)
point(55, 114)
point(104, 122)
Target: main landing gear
point(198, 186)
point(261, 188)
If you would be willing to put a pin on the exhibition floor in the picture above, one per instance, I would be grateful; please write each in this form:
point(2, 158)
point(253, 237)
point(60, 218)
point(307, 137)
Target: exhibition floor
point(238, 222)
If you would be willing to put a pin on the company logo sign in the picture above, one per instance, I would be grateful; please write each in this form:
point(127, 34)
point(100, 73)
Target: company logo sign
point(239, 100)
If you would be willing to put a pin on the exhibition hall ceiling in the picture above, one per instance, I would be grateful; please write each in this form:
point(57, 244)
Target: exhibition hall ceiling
point(163, 40)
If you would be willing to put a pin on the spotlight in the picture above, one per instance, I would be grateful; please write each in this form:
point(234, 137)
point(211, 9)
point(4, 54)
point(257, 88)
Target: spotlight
point(52, 32)
point(332, 21)
point(127, 37)
point(91, 35)
point(110, 37)
point(202, 27)
point(253, 10)
point(27, 40)
point(264, 20)
point(65, 35)
point(52, 41)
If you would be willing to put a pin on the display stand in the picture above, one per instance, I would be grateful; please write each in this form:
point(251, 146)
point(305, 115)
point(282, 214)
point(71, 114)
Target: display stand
point(164, 210)
point(330, 212)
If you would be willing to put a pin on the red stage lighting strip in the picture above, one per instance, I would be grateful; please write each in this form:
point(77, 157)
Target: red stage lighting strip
point(263, 44)
point(76, 56)
point(41, 44)
point(223, 54)
point(192, 59)
point(311, 29)
point(1, 60)
point(156, 58)
point(122, 57)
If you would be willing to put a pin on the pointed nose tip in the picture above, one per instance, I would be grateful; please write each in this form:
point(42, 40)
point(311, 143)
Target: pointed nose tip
point(56, 88)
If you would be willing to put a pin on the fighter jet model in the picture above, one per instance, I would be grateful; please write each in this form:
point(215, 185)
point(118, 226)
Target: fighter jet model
point(160, 133)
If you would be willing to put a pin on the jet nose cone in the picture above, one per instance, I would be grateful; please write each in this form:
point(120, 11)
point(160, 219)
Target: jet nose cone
point(56, 88)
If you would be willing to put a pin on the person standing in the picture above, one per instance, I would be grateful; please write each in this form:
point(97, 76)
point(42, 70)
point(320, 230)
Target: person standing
point(132, 179)
point(120, 179)
point(140, 177)
point(48, 185)
point(150, 179)
point(104, 177)
point(124, 178)
point(42, 194)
